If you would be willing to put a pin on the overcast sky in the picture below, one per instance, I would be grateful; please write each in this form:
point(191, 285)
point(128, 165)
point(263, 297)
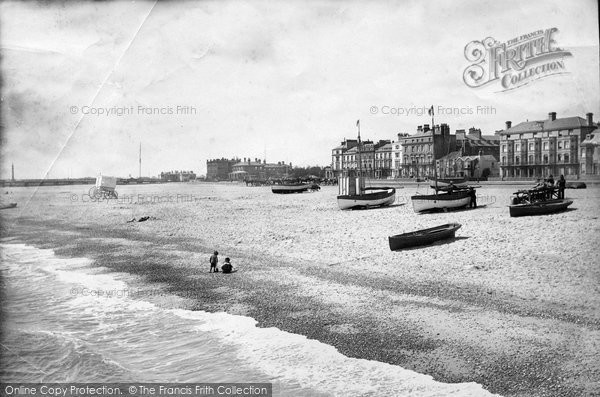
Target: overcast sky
point(288, 80)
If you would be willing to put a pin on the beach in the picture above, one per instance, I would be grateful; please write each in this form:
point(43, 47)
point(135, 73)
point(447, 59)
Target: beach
point(511, 304)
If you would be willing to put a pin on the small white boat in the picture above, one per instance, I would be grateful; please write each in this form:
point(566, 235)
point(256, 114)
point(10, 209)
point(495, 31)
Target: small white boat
point(352, 191)
point(432, 202)
point(369, 197)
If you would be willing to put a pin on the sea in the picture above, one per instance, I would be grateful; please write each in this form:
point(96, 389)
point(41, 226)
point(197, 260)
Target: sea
point(53, 332)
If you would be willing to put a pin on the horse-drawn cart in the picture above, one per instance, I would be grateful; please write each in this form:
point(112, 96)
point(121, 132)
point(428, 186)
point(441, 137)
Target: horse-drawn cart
point(104, 188)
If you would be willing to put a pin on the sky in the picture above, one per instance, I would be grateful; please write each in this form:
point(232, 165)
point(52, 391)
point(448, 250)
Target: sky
point(85, 83)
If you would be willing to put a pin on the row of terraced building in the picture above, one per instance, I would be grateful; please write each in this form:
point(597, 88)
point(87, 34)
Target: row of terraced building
point(531, 149)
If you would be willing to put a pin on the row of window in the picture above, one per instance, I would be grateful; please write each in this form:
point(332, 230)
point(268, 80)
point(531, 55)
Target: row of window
point(545, 159)
point(545, 146)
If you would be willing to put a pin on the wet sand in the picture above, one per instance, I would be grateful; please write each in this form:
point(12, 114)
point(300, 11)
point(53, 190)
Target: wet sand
point(510, 303)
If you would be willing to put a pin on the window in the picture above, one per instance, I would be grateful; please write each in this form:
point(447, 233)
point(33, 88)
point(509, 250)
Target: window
point(530, 160)
point(503, 148)
point(518, 147)
point(517, 160)
point(566, 158)
point(560, 144)
point(559, 157)
point(567, 144)
point(531, 147)
point(503, 160)
point(545, 159)
point(545, 145)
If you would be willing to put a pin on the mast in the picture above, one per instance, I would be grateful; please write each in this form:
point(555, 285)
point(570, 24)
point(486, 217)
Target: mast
point(359, 159)
point(431, 113)
point(140, 161)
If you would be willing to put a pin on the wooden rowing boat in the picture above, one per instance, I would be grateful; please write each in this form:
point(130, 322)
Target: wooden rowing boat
point(423, 237)
point(290, 188)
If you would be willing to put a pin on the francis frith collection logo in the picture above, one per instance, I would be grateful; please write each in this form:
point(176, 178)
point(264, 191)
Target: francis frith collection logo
point(516, 62)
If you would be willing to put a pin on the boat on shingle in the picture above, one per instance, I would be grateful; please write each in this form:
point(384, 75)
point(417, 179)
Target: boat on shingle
point(423, 237)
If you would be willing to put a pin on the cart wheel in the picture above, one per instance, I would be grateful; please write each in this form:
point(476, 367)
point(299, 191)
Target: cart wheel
point(95, 193)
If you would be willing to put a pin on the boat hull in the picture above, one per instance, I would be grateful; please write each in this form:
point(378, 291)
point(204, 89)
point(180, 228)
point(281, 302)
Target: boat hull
point(287, 189)
point(434, 202)
point(441, 183)
point(540, 208)
point(367, 200)
point(423, 237)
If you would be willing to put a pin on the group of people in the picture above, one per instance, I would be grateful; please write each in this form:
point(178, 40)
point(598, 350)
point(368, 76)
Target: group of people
point(549, 186)
point(214, 260)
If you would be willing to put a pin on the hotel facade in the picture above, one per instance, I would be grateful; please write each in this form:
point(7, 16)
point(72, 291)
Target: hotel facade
point(538, 149)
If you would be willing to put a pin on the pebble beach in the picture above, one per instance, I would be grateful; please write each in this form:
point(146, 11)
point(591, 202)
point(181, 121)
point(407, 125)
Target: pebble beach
point(511, 304)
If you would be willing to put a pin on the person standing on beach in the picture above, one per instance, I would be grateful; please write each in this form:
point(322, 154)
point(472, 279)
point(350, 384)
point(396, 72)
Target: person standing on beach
point(214, 259)
point(561, 186)
point(550, 187)
point(473, 195)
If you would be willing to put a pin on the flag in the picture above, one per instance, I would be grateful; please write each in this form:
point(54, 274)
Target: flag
point(430, 111)
point(357, 123)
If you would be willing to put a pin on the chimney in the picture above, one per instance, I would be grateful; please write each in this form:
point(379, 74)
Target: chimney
point(419, 129)
point(552, 116)
point(475, 132)
point(590, 119)
point(508, 124)
point(425, 127)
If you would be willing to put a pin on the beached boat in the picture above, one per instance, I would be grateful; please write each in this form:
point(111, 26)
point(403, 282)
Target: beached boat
point(367, 198)
point(454, 197)
point(290, 188)
point(444, 182)
point(575, 185)
point(539, 208)
point(352, 191)
point(7, 206)
point(540, 200)
point(423, 237)
point(441, 201)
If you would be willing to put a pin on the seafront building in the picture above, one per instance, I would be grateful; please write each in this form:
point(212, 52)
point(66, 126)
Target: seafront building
point(397, 156)
point(419, 150)
point(249, 170)
point(532, 149)
point(373, 158)
point(219, 169)
point(177, 176)
point(337, 156)
point(383, 161)
point(590, 154)
point(473, 143)
point(412, 156)
point(554, 146)
point(457, 165)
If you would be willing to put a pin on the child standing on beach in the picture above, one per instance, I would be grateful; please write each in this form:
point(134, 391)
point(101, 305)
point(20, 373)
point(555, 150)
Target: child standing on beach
point(214, 259)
